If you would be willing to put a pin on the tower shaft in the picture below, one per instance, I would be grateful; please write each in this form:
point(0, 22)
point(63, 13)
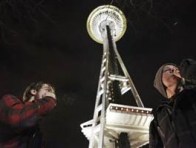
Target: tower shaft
point(114, 124)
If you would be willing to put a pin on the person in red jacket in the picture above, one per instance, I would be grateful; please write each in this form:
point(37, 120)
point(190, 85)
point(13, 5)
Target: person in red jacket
point(19, 118)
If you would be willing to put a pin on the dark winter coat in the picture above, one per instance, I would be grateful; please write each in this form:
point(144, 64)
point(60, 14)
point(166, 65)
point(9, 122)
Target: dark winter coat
point(174, 123)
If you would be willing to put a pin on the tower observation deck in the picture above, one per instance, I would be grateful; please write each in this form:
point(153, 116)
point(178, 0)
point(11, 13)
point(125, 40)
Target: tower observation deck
point(114, 124)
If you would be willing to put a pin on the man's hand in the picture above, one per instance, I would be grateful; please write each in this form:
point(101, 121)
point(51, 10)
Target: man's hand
point(176, 72)
point(50, 94)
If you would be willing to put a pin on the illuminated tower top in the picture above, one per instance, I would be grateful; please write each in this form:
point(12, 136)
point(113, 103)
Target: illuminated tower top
point(106, 15)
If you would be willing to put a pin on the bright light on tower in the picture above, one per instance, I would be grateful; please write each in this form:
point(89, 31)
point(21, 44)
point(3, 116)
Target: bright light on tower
point(106, 15)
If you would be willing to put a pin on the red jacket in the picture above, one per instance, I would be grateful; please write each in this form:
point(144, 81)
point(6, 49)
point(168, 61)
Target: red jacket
point(18, 120)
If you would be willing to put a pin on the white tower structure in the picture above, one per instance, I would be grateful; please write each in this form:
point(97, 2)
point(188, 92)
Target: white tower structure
point(114, 125)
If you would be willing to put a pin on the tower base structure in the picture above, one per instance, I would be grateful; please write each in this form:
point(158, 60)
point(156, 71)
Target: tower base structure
point(134, 121)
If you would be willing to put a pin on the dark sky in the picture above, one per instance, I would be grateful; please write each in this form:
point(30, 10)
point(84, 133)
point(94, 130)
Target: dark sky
point(47, 40)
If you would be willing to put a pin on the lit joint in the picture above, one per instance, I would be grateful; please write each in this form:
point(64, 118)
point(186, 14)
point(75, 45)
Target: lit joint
point(128, 110)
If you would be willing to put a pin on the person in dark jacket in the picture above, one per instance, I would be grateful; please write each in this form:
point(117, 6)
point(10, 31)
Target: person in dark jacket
point(19, 118)
point(174, 123)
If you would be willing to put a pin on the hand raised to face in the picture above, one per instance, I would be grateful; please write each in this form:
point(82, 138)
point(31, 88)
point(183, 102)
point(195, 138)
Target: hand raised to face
point(45, 90)
point(170, 75)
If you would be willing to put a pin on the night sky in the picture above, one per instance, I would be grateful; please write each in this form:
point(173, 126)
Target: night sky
point(47, 40)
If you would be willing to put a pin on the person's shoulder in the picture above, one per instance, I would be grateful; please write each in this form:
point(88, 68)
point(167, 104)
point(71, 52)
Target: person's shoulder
point(8, 98)
point(157, 109)
point(187, 95)
point(189, 90)
point(164, 105)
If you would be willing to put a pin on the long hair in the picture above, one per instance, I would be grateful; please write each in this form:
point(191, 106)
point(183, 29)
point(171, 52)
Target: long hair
point(36, 86)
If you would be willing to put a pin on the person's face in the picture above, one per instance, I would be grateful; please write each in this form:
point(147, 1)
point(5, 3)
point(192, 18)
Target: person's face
point(169, 77)
point(43, 91)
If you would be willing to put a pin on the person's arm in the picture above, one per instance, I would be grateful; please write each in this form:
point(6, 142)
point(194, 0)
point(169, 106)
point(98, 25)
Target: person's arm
point(16, 113)
point(154, 137)
point(188, 81)
point(184, 81)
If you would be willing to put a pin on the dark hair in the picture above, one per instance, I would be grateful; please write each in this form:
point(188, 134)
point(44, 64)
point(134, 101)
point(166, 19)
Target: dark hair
point(36, 86)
